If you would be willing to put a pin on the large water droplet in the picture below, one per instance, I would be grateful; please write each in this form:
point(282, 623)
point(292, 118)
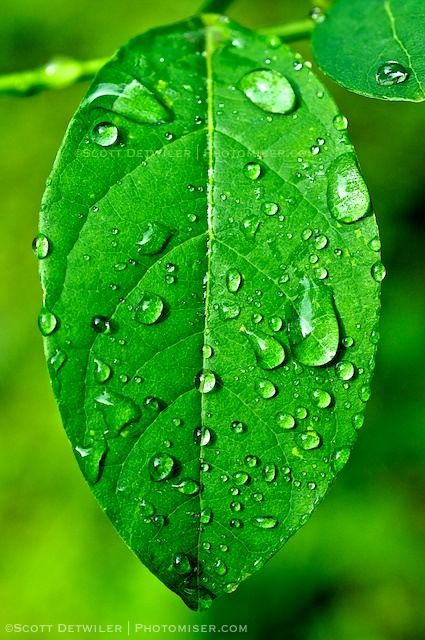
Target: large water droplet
point(206, 381)
point(348, 195)
point(132, 100)
point(391, 73)
point(269, 90)
point(233, 280)
point(286, 421)
point(309, 440)
point(47, 322)
point(41, 246)
point(154, 238)
point(269, 352)
point(101, 324)
point(161, 467)
point(104, 134)
point(182, 564)
point(315, 332)
point(266, 389)
point(379, 272)
point(252, 170)
point(323, 398)
point(118, 411)
point(149, 309)
point(102, 371)
point(188, 486)
point(202, 436)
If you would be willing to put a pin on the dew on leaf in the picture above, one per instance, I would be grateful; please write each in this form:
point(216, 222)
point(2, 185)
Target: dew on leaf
point(206, 381)
point(322, 398)
point(161, 467)
point(269, 353)
point(41, 246)
point(270, 208)
point(153, 239)
point(57, 360)
point(119, 411)
point(188, 486)
point(252, 170)
point(340, 459)
point(270, 472)
point(104, 134)
point(202, 436)
point(309, 440)
point(102, 371)
point(269, 90)
point(149, 308)
point(238, 427)
point(240, 478)
point(285, 421)
point(340, 122)
point(47, 322)
point(101, 324)
point(345, 370)
point(266, 389)
point(348, 195)
point(265, 522)
point(391, 73)
point(379, 272)
point(233, 280)
point(182, 564)
point(206, 516)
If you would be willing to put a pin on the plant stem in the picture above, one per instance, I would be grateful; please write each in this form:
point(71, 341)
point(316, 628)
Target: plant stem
point(214, 6)
point(292, 31)
point(59, 73)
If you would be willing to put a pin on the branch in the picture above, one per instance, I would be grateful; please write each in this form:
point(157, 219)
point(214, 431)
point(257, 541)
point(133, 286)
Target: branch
point(59, 73)
point(292, 31)
point(214, 6)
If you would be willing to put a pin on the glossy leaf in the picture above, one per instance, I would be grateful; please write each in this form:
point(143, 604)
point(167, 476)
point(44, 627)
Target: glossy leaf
point(374, 47)
point(206, 250)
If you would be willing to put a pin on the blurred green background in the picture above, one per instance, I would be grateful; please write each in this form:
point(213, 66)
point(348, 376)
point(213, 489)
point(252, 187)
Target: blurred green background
point(356, 571)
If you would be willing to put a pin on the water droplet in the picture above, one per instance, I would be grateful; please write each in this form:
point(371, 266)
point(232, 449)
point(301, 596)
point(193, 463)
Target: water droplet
point(229, 311)
point(101, 324)
point(104, 134)
point(379, 272)
point(132, 100)
point(206, 381)
point(317, 15)
point(207, 351)
point(270, 472)
point(323, 398)
point(252, 461)
point(154, 239)
point(348, 195)
point(252, 170)
point(285, 421)
point(340, 459)
point(238, 427)
point(315, 332)
point(118, 411)
point(269, 353)
point(220, 568)
point(235, 523)
point(375, 244)
point(202, 436)
point(241, 478)
point(188, 486)
point(149, 309)
point(41, 246)
point(270, 208)
point(57, 360)
point(265, 522)
point(102, 371)
point(47, 322)
point(233, 280)
point(358, 421)
point(206, 516)
point(345, 370)
point(146, 509)
point(182, 564)
point(340, 122)
point(236, 506)
point(276, 324)
point(269, 90)
point(266, 389)
point(309, 440)
point(391, 73)
point(161, 467)
point(250, 227)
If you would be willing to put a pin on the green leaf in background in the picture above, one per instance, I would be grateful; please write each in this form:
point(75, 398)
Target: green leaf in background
point(374, 47)
point(211, 271)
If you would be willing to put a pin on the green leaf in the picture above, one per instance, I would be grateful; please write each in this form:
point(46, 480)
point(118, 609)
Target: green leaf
point(374, 47)
point(207, 248)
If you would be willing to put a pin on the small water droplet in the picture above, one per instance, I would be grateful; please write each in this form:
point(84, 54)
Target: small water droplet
point(118, 411)
point(233, 280)
point(323, 398)
point(238, 427)
point(153, 239)
point(270, 472)
point(206, 516)
point(229, 311)
point(340, 459)
point(47, 322)
point(182, 564)
point(58, 360)
point(285, 421)
point(340, 122)
point(265, 522)
point(252, 170)
point(101, 324)
point(309, 440)
point(41, 246)
point(345, 370)
point(206, 381)
point(102, 371)
point(266, 389)
point(269, 353)
point(391, 73)
point(202, 436)
point(270, 208)
point(276, 324)
point(188, 486)
point(146, 508)
point(269, 90)
point(379, 272)
point(161, 467)
point(240, 478)
point(149, 309)
point(104, 134)
point(348, 195)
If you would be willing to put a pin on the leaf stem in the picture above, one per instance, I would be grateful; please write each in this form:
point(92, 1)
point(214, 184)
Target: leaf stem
point(292, 31)
point(214, 6)
point(59, 73)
